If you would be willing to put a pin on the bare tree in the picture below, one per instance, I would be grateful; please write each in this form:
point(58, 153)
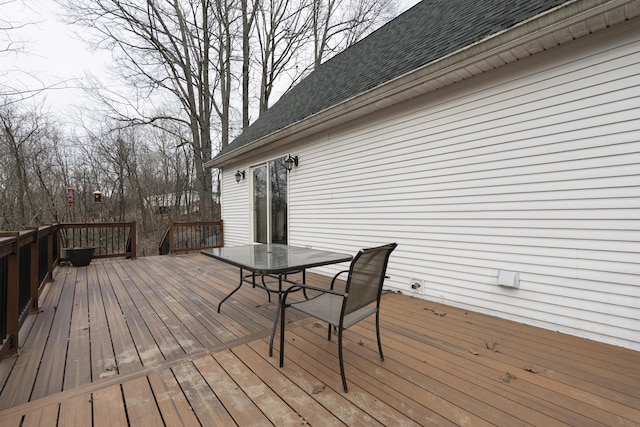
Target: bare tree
point(186, 51)
point(295, 36)
point(249, 12)
point(15, 138)
point(187, 64)
point(162, 49)
point(225, 21)
point(338, 24)
point(8, 27)
point(115, 158)
point(282, 28)
point(33, 172)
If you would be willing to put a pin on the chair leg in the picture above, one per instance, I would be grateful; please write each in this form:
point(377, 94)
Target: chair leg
point(329, 332)
point(378, 335)
point(282, 321)
point(342, 374)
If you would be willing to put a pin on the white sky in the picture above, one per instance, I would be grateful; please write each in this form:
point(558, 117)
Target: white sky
point(52, 55)
point(55, 56)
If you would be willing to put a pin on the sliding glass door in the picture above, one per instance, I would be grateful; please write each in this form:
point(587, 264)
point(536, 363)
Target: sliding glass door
point(269, 188)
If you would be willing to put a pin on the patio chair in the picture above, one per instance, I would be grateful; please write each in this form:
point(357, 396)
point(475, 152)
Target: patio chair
point(342, 310)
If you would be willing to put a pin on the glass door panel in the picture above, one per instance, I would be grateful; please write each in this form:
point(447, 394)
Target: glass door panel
point(260, 204)
point(278, 201)
point(270, 202)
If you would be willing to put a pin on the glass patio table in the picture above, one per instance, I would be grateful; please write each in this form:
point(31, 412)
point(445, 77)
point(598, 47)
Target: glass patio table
point(272, 261)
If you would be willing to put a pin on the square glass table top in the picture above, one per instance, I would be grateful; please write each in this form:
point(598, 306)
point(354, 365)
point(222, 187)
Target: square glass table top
point(275, 258)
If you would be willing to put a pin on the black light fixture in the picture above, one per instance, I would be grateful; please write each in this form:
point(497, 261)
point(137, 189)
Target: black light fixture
point(239, 175)
point(290, 162)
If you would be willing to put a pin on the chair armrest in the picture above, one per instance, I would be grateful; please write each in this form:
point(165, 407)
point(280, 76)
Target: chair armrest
point(300, 286)
point(333, 281)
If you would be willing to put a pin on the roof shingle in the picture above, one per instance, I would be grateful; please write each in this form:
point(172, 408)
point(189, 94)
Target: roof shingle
point(430, 30)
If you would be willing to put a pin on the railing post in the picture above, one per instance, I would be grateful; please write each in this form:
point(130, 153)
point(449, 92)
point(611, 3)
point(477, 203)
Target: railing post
point(50, 260)
point(35, 274)
point(13, 323)
point(171, 239)
point(57, 244)
point(134, 235)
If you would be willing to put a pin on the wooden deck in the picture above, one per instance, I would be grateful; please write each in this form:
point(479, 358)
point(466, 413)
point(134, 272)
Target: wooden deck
point(139, 343)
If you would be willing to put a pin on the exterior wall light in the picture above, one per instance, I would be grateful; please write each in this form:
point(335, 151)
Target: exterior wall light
point(290, 162)
point(239, 175)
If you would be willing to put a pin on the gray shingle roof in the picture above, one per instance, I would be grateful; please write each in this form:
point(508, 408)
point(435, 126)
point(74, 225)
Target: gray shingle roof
point(427, 32)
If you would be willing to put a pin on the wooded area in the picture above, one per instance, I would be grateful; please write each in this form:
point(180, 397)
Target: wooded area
point(192, 74)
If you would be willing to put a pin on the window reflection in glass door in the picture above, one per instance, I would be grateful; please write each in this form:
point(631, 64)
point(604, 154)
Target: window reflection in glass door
point(260, 204)
point(270, 202)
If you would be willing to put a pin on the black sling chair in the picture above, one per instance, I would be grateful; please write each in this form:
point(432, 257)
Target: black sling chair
point(344, 309)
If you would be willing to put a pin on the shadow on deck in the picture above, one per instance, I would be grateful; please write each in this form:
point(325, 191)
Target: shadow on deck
point(139, 342)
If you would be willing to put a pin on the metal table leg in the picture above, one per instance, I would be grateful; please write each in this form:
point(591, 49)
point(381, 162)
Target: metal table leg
point(233, 291)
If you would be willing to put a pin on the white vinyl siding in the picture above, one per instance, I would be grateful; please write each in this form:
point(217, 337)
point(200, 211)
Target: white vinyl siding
point(235, 207)
point(533, 167)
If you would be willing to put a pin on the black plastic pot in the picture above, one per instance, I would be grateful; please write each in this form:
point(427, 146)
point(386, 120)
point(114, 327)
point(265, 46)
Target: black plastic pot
point(80, 256)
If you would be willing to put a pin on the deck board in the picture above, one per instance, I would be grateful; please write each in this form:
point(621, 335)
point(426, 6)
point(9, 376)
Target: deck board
point(206, 405)
point(139, 342)
point(52, 364)
point(458, 372)
point(159, 303)
point(272, 405)
point(458, 385)
point(172, 403)
point(185, 326)
point(103, 362)
point(77, 368)
point(145, 348)
point(126, 360)
point(336, 401)
point(554, 374)
point(160, 332)
point(44, 417)
point(241, 408)
point(391, 405)
point(579, 406)
point(140, 403)
point(108, 407)
point(76, 411)
point(308, 409)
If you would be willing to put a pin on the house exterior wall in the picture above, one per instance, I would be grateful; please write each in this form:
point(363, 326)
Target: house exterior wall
point(532, 168)
point(234, 205)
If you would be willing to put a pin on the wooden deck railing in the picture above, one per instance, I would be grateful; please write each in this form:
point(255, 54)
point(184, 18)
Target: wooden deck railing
point(191, 236)
point(28, 258)
point(110, 239)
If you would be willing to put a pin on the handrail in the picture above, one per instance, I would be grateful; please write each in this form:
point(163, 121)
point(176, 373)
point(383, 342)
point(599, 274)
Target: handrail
point(190, 236)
